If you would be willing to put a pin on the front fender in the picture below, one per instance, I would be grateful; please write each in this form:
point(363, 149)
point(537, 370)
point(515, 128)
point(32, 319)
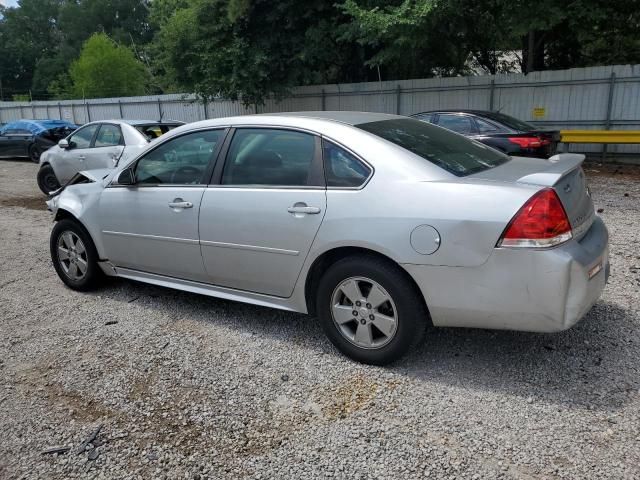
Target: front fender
point(80, 202)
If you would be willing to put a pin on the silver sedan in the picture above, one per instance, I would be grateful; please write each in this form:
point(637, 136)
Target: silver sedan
point(379, 225)
point(101, 144)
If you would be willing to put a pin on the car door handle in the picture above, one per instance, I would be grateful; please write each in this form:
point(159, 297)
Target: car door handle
point(304, 209)
point(81, 157)
point(180, 204)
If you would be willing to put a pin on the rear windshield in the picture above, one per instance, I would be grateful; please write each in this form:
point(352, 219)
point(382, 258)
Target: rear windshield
point(156, 130)
point(510, 122)
point(452, 152)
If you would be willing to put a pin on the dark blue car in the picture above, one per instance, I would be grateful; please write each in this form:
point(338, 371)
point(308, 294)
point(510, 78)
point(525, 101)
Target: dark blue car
point(29, 138)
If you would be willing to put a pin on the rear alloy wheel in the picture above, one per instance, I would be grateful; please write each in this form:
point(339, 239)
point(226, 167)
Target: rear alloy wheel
point(47, 180)
point(34, 153)
point(370, 310)
point(74, 256)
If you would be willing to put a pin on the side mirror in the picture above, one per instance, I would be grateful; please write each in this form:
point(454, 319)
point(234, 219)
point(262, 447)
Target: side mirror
point(126, 177)
point(64, 143)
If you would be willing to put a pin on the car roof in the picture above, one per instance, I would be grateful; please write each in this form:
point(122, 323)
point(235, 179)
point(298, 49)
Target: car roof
point(37, 126)
point(350, 118)
point(134, 123)
point(461, 110)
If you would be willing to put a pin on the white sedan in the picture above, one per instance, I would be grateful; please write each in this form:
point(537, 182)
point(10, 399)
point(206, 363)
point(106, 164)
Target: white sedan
point(100, 144)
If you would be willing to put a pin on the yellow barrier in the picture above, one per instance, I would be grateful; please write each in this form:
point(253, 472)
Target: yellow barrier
point(600, 136)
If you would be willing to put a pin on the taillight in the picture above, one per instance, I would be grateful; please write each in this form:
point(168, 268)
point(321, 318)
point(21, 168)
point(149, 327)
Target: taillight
point(541, 222)
point(526, 142)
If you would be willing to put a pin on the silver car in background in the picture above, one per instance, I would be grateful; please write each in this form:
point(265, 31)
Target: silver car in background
point(100, 144)
point(378, 224)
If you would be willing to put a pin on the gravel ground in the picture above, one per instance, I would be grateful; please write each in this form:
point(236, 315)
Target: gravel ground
point(187, 386)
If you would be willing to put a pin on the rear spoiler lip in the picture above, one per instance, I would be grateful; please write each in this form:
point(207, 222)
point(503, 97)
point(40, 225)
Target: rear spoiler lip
point(559, 166)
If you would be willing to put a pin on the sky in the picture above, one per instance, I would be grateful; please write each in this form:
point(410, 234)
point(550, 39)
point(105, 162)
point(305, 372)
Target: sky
point(9, 3)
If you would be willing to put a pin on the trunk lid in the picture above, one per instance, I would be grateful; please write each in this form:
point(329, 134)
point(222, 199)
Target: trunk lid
point(561, 172)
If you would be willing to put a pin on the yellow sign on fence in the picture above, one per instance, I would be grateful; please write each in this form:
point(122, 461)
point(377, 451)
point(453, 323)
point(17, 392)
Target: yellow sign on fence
point(539, 112)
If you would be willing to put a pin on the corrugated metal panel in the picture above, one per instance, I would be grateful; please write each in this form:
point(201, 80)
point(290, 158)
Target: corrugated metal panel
point(575, 98)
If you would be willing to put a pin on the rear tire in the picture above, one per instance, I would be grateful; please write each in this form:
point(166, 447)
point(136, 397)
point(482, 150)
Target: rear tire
point(370, 309)
point(74, 256)
point(47, 180)
point(34, 153)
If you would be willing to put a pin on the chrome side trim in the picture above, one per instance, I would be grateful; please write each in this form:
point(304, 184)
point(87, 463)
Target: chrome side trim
point(253, 248)
point(209, 290)
point(152, 237)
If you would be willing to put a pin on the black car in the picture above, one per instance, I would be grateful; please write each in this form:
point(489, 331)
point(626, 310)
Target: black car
point(500, 131)
point(29, 138)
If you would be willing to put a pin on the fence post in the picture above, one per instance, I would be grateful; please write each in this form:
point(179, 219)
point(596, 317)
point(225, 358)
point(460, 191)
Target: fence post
point(60, 110)
point(159, 109)
point(86, 104)
point(398, 93)
point(205, 104)
point(492, 88)
point(324, 100)
point(33, 109)
point(120, 107)
point(607, 122)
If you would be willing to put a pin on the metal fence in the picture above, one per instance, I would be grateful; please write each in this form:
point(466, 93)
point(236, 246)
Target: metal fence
point(582, 98)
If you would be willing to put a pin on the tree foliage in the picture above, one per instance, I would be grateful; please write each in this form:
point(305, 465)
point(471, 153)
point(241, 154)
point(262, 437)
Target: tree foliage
point(250, 49)
point(106, 69)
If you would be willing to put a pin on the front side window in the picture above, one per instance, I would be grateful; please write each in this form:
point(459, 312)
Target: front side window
point(261, 156)
point(453, 153)
point(82, 138)
point(341, 168)
point(180, 161)
point(108, 136)
point(457, 123)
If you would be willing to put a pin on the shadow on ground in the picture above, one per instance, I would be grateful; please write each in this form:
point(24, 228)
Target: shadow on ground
point(586, 366)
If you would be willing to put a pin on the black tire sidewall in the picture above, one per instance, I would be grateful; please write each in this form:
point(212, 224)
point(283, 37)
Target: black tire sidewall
point(45, 171)
point(33, 148)
point(94, 273)
point(411, 312)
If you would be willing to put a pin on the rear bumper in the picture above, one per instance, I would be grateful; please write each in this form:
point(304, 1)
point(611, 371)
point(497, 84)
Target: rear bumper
point(520, 289)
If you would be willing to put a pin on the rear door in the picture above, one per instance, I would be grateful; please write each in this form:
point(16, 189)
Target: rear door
point(107, 147)
point(259, 217)
point(14, 142)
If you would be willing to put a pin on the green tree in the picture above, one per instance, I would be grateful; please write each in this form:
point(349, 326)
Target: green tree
point(106, 69)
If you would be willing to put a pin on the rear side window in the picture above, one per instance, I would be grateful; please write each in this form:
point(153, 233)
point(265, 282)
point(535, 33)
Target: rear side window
point(108, 136)
point(425, 117)
point(451, 152)
point(458, 123)
point(341, 168)
point(486, 127)
point(263, 156)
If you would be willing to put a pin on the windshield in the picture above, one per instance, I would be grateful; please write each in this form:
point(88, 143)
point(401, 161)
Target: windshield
point(510, 122)
point(452, 152)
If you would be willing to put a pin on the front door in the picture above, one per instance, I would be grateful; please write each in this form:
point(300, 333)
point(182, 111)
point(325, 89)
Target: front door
point(258, 222)
point(152, 226)
point(73, 159)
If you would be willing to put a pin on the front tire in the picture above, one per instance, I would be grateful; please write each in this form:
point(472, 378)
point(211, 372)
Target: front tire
point(74, 256)
point(370, 309)
point(47, 180)
point(34, 153)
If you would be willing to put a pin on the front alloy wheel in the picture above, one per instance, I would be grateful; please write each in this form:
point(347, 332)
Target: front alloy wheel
point(74, 255)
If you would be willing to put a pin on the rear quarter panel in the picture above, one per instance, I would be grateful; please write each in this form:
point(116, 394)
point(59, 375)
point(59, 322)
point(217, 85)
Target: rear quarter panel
point(470, 216)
